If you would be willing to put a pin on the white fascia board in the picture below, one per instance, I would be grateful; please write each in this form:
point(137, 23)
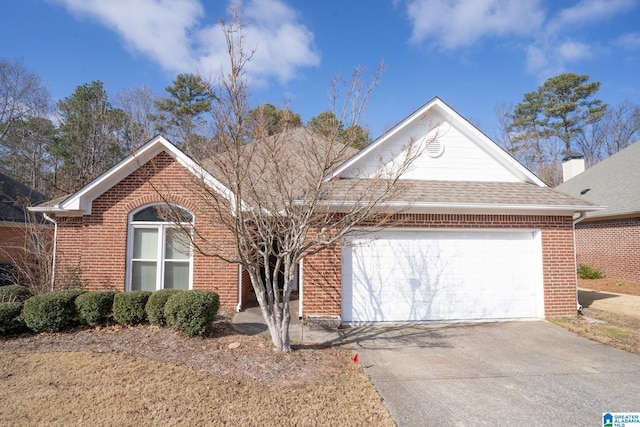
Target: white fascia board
point(81, 202)
point(470, 208)
point(465, 126)
point(381, 140)
point(492, 148)
point(209, 180)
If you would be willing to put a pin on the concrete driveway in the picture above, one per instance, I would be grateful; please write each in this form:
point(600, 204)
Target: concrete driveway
point(511, 373)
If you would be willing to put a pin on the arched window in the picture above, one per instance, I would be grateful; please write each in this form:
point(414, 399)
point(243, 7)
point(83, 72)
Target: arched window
point(159, 249)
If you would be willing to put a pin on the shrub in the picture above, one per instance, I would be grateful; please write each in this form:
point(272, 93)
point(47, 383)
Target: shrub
point(51, 312)
point(156, 303)
point(192, 311)
point(14, 293)
point(128, 307)
point(11, 317)
point(588, 272)
point(94, 307)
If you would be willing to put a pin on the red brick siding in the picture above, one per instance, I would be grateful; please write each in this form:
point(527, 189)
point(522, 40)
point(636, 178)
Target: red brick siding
point(96, 244)
point(12, 242)
point(612, 246)
point(321, 283)
point(322, 289)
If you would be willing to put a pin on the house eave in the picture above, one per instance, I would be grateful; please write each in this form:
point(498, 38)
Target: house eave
point(602, 216)
point(81, 202)
point(57, 210)
point(437, 105)
point(468, 208)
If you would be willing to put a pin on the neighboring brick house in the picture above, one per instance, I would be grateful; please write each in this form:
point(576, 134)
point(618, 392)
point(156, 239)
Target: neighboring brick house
point(609, 239)
point(479, 237)
point(15, 225)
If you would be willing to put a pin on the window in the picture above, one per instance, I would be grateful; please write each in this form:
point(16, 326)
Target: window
point(6, 273)
point(160, 255)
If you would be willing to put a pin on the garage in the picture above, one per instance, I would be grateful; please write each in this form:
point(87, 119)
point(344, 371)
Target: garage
point(448, 275)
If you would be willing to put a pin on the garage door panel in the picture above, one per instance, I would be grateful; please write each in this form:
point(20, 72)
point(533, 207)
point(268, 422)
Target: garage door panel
point(415, 276)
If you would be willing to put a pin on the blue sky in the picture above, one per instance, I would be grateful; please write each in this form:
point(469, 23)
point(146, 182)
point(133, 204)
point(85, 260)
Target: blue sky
point(474, 54)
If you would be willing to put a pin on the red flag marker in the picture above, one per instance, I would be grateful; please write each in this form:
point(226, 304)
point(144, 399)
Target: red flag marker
point(355, 358)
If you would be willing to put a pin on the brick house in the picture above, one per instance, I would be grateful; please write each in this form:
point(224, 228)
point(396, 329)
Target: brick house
point(609, 239)
point(15, 225)
point(479, 237)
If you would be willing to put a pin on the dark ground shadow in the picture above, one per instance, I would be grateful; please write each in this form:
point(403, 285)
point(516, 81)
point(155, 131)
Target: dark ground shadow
point(586, 298)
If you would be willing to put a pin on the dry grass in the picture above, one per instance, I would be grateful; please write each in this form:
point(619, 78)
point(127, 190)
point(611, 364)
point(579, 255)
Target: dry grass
point(618, 328)
point(151, 376)
point(608, 284)
point(619, 331)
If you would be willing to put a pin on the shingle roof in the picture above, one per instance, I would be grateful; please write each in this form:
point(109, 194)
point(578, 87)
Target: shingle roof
point(458, 193)
point(279, 168)
point(614, 183)
point(15, 197)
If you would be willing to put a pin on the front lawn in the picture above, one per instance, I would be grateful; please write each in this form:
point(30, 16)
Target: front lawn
point(617, 328)
point(146, 375)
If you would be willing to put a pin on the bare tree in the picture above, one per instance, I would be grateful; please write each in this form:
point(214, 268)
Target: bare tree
point(139, 106)
point(282, 205)
point(619, 127)
point(30, 252)
point(22, 95)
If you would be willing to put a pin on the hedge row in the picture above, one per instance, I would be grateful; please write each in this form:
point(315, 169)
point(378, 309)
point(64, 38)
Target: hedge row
point(51, 312)
point(190, 312)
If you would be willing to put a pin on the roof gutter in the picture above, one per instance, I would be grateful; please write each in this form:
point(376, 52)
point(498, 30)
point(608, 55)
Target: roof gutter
point(499, 208)
point(581, 216)
point(55, 242)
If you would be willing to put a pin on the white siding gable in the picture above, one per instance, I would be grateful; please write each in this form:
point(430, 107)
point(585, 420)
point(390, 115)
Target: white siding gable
point(456, 151)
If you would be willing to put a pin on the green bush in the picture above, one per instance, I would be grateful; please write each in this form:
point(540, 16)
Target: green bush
point(11, 317)
point(588, 272)
point(94, 307)
point(12, 293)
point(192, 312)
point(51, 312)
point(156, 303)
point(128, 307)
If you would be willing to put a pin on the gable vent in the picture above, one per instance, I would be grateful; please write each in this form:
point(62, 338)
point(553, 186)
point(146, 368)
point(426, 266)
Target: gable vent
point(434, 148)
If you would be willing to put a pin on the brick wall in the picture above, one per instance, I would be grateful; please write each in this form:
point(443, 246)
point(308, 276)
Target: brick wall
point(322, 289)
point(95, 245)
point(612, 246)
point(12, 242)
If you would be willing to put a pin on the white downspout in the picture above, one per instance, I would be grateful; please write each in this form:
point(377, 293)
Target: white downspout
point(575, 255)
point(300, 288)
point(239, 306)
point(55, 242)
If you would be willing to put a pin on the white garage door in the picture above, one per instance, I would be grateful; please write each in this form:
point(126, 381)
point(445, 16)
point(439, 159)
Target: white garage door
point(399, 276)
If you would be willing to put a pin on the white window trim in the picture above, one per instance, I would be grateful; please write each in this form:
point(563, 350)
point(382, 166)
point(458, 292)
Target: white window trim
point(161, 227)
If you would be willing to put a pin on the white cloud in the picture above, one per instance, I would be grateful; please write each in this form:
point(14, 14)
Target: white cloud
point(545, 28)
point(586, 12)
point(549, 60)
point(629, 41)
point(450, 24)
point(281, 44)
point(156, 28)
point(556, 43)
point(571, 51)
point(169, 32)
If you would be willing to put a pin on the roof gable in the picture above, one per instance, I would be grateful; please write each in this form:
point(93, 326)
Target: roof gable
point(80, 203)
point(612, 183)
point(452, 149)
